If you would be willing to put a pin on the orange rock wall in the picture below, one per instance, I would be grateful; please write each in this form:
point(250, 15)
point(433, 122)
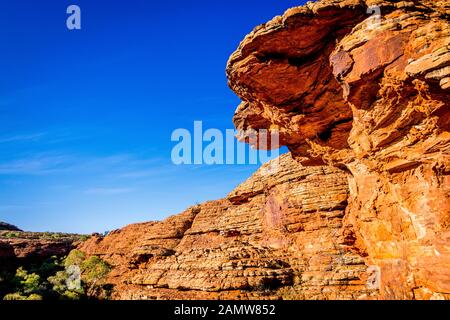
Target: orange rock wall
point(360, 208)
point(387, 124)
point(279, 234)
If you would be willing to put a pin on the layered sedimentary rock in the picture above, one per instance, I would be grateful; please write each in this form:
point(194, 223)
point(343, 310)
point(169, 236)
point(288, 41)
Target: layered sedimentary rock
point(278, 235)
point(369, 94)
point(360, 208)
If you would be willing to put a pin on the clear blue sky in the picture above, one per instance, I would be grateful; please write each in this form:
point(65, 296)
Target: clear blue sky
point(86, 116)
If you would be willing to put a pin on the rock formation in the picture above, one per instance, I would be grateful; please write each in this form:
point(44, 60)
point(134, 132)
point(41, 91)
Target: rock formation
point(18, 248)
point(360, 208)
point(369, 95)
point(279, 234)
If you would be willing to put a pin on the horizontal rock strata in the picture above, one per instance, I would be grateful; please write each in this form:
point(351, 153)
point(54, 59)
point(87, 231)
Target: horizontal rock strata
point(360, 208)
point(279, 234)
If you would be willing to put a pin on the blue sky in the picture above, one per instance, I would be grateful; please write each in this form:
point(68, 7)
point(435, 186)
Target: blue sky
point(86, 116)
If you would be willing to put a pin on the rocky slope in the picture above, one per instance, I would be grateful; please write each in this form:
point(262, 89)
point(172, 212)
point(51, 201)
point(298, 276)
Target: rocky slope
point(361, 210)
point(279, 234)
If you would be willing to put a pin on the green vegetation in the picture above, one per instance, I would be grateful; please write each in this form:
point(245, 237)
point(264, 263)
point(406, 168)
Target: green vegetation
point(18, 296)
point(11, 234)
point(94, 269)
point(26, 286)
point(72, 278)
point(84, 238)
point(75, 258)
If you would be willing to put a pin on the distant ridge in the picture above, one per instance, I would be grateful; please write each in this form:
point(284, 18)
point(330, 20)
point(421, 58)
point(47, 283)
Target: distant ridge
point(8, 227)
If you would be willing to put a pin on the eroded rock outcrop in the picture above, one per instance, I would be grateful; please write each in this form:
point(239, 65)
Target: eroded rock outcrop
point(369, 94)
point(360, 208)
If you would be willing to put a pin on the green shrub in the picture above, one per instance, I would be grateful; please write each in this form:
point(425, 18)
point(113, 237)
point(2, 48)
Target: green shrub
point(29, 283)
point(14, 296)
point(58, 282)
point(72, 295)
point(10, 235)
point(84, 238)
point(94, 269)
point(60, 285)
point(46, 235)
point(47, 268)
point(75, 258)
point(76, 277)
point(19, 296)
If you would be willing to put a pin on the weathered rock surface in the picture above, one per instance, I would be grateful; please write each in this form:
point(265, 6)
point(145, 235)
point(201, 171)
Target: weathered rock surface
point(363, 103)
point(371, 95)
point(279, 234)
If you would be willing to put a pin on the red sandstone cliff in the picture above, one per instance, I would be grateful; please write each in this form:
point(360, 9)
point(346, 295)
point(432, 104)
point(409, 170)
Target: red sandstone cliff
point(277, 235)
point(361, 210)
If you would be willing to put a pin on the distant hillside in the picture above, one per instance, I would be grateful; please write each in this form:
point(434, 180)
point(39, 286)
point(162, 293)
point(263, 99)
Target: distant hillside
point(8, 227)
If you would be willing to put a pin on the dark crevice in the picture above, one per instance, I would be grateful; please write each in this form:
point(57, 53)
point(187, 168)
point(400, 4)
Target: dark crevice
point(326, 135)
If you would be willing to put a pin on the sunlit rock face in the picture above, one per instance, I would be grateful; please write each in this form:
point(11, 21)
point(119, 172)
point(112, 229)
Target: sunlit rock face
point(280, 234)
point(370, 94)
point(359, 208)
